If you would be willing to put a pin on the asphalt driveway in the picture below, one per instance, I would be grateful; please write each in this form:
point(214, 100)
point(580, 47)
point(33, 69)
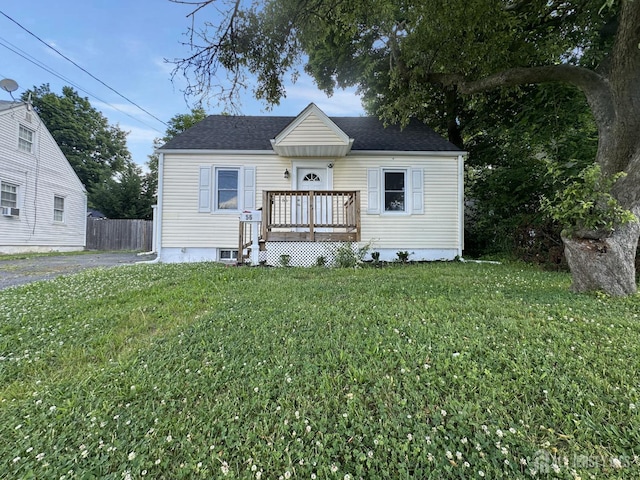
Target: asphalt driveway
point(21, 271)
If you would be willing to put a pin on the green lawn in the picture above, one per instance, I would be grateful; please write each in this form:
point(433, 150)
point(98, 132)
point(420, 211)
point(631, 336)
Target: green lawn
point(443, 370)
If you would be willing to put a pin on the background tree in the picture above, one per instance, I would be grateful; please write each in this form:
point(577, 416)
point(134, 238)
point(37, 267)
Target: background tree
point(435, 58)
point(176, 125)
point(124, 195)
point(95, 149)
point(514, 145)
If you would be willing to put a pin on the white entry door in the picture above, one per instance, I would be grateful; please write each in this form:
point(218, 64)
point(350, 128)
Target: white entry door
point(313, 179)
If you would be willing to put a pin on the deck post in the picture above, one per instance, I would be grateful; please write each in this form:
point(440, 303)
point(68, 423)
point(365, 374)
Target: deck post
point(357, 214)
point(311, 216)
point(266, 211)
point(240, 257)
point(255, 246)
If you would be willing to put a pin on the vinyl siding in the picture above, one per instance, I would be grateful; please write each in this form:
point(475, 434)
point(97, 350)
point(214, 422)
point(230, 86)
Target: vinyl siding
point(183, 225)
point(311, 131)
point(437, 227)
point(40, 175)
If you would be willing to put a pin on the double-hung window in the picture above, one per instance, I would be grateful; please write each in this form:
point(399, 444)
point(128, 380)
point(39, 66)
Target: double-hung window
point(227, 188)
point(25, 139)
point(58, 209)
point(395, 182)
point(8, 195)
point(393, 191)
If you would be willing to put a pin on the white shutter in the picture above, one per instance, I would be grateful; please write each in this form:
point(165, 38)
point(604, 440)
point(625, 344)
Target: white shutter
point(249, 186)
point(417, 191)
point(204, 195)
point(373, 189)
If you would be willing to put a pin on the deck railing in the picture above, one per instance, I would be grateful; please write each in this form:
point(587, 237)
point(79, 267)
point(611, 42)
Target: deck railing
point(311, 216)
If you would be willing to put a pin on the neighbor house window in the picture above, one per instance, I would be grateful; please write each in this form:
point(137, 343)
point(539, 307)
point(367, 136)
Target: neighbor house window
point(227, 187)
point(228, 255)
point(8, 195)
point(395, 191)
point(25, 139)
point(58, 209)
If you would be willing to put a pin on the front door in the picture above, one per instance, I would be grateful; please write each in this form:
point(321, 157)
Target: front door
point(312, 179)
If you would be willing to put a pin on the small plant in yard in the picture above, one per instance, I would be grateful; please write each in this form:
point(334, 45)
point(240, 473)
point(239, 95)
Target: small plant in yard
point(285, 260)
point(445, 370)
point(403, 256)
point(321, 261)
point(349, 255)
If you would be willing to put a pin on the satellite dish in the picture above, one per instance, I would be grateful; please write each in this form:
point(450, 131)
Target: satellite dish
point(8, 85)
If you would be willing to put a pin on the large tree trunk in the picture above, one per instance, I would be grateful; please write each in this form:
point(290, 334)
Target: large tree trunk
point(607, 264)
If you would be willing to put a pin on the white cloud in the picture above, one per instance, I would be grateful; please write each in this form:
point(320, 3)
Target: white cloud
point(305, 91)
point(53, 49)
point(140, 142)
point(123, 113)
point(164, 67)
point(124, 108)
point(343, 102)
point(137, 134)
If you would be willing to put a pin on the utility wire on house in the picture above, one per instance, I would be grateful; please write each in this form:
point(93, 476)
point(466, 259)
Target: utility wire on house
point(83, 69)
point(21, 53)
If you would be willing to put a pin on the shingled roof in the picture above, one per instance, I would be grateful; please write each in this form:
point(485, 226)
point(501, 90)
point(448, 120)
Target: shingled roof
point(224, 132)
point(6, 105)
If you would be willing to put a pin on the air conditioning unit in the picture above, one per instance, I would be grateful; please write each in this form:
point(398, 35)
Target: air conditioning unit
point(10, 212)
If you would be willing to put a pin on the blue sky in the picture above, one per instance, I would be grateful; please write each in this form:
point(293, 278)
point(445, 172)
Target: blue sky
point(124, 44)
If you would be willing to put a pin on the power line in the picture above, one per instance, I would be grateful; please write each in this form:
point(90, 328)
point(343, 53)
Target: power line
point(30, 58)
point(81, 68)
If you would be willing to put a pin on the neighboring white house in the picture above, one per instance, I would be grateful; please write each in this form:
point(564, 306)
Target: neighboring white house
point(318, 182)
point(43, 203)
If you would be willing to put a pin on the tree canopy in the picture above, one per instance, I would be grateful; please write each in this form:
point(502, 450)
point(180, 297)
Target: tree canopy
point(439, 60)
point(94, 148)
point(124, 195)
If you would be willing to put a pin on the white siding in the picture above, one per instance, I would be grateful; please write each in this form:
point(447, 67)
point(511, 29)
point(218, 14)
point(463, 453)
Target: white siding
point(40, 175)
point(182, 225)
point(436, 228)
point(311, 131)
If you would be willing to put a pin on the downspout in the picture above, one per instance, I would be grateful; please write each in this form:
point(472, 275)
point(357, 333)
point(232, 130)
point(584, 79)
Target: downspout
point(158, 212)
point(86, 201)
point(461, 203)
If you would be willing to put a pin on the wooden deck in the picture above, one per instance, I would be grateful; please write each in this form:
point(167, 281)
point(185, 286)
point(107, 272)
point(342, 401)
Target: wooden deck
point(305, 216)
point(311, 216)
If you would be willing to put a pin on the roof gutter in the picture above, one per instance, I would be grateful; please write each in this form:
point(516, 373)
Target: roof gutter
point(352, 153)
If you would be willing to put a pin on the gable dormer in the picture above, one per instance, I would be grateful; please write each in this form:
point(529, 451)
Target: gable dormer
point(312, 134)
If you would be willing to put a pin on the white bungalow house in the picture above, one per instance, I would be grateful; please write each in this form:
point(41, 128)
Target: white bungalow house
point(43, 204)
point(316, 182)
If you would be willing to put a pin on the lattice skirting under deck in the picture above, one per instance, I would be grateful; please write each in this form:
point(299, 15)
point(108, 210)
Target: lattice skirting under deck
point(302, 254)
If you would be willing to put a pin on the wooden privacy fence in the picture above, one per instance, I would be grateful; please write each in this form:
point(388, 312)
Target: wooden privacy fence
point(104, 234)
